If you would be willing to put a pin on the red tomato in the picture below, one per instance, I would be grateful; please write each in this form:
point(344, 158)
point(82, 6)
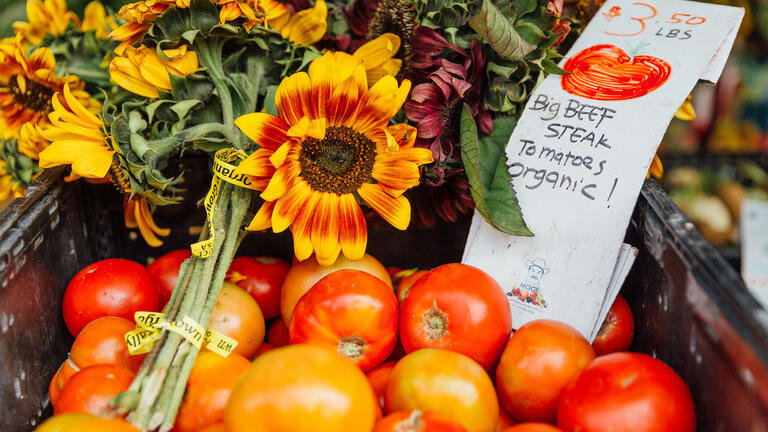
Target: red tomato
point(623, 392)
point(265, 347)
point(261, 277)
point(459, 308)
point(91, 390)
point(617, 330)
point(67, 369)
point(111, 287)
point(277, 335)
point(405, 284)
point(53, 389)
point(446, 382)
point(505, 420)
point(417, 421)
point(210, 383)
point(165, 271)
point(540, 359)
point(352, 312)
point(532, 427)
point(303, 275)
point(102, 341)
point(378, 379)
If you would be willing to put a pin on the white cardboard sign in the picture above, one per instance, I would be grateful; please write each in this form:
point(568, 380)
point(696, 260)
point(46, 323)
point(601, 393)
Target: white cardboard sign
point(580, 152)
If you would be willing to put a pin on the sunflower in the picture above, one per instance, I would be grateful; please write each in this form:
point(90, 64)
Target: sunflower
point(141, 71)
point(95, 19)
point(330, 146)
point(46, 17)
point(9, 187)
point(27, 85)
point(140, 16)
point(304, 27)
point(234, 9)
point(137, 214)
point(31, 142)
point(79, 138)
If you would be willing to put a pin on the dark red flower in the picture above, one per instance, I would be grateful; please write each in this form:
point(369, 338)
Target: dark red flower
point(555, 7)
point(561, 27)
point(359, 14)
point(445, 202)
point(297, 5)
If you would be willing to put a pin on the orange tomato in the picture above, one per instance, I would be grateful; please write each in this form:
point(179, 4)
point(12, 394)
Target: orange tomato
point(532, 427)
point(91, 390)
point(81, 422)
point(445, 382)
point(237, 315)
point(210, 383)
point(304, 274)
point(352, 312)
point(301, 388)
point(405, 284)
point(378, 379)
point(102, 341)
point(60, 378)
point(215, 428)
point(539, 361)
point(505, 420)
point(417, 421)
point(53, 389)
point(278, 333)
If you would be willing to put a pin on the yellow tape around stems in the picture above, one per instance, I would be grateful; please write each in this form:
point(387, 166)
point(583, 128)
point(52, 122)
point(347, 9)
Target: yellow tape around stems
point(150, 327)
point(222, 170)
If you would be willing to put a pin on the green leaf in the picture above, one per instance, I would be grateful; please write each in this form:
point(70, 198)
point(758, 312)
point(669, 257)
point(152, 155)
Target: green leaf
point(190, 35)
point(552, 68)
point(494, 27)
point(530, 32)
point(136, 122)
point(524, 7)
point(269, 100)
point(486, 167)
point(183, 107)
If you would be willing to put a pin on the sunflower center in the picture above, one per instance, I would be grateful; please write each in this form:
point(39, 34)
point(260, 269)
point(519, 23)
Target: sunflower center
point(36, 96)
point(340, 163)
point(451, 116)
point(397, 17)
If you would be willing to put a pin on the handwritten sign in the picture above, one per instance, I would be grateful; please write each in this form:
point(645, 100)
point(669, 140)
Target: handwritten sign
point(754, 248)
point(580, 151)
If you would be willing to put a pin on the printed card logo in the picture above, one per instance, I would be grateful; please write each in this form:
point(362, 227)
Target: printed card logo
point(529, 290)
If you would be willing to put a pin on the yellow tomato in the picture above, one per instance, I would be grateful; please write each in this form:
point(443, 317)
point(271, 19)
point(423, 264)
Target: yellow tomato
point(447, 383)
point(79, 422)
point(303, 275)
point(237, 315)
point(301, 388)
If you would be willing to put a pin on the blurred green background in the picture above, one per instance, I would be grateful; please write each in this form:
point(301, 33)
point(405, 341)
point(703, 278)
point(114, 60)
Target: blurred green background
point(15, 10)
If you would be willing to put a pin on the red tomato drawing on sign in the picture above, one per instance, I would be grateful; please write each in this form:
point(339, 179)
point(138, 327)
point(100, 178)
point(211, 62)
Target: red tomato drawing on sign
point(606, 72)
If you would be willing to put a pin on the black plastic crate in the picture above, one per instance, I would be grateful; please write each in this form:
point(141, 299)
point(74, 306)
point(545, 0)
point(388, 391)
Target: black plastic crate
point(692, 309)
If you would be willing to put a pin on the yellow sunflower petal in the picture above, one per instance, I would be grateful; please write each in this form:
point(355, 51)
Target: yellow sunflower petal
point(307, 26)
point(293, 98)
point(282, 181)
point(378, 51)
point(396, 211)
point(353, 234)
point(384, 100)
point(129, 214)
point(287, 208)
point(264, 129)
point(127, 76)
point(657, 169)
point(93, 164)
point(257, 164)
point(147, 216)
point(399, 175)
point(325, 228)
point(686, 111)
point(78, 108)
point(263, 218)
point(144, 227)
point(301, 228)
point(42, 58)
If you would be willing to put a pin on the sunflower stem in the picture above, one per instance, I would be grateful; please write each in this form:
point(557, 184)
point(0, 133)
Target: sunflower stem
point(209, 52)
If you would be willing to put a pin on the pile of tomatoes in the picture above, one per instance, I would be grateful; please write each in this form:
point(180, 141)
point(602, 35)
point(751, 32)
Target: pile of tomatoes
point(359, 347)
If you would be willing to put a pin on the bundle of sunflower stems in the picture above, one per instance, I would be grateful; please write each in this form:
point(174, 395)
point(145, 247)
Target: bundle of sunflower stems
point(324, 115)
